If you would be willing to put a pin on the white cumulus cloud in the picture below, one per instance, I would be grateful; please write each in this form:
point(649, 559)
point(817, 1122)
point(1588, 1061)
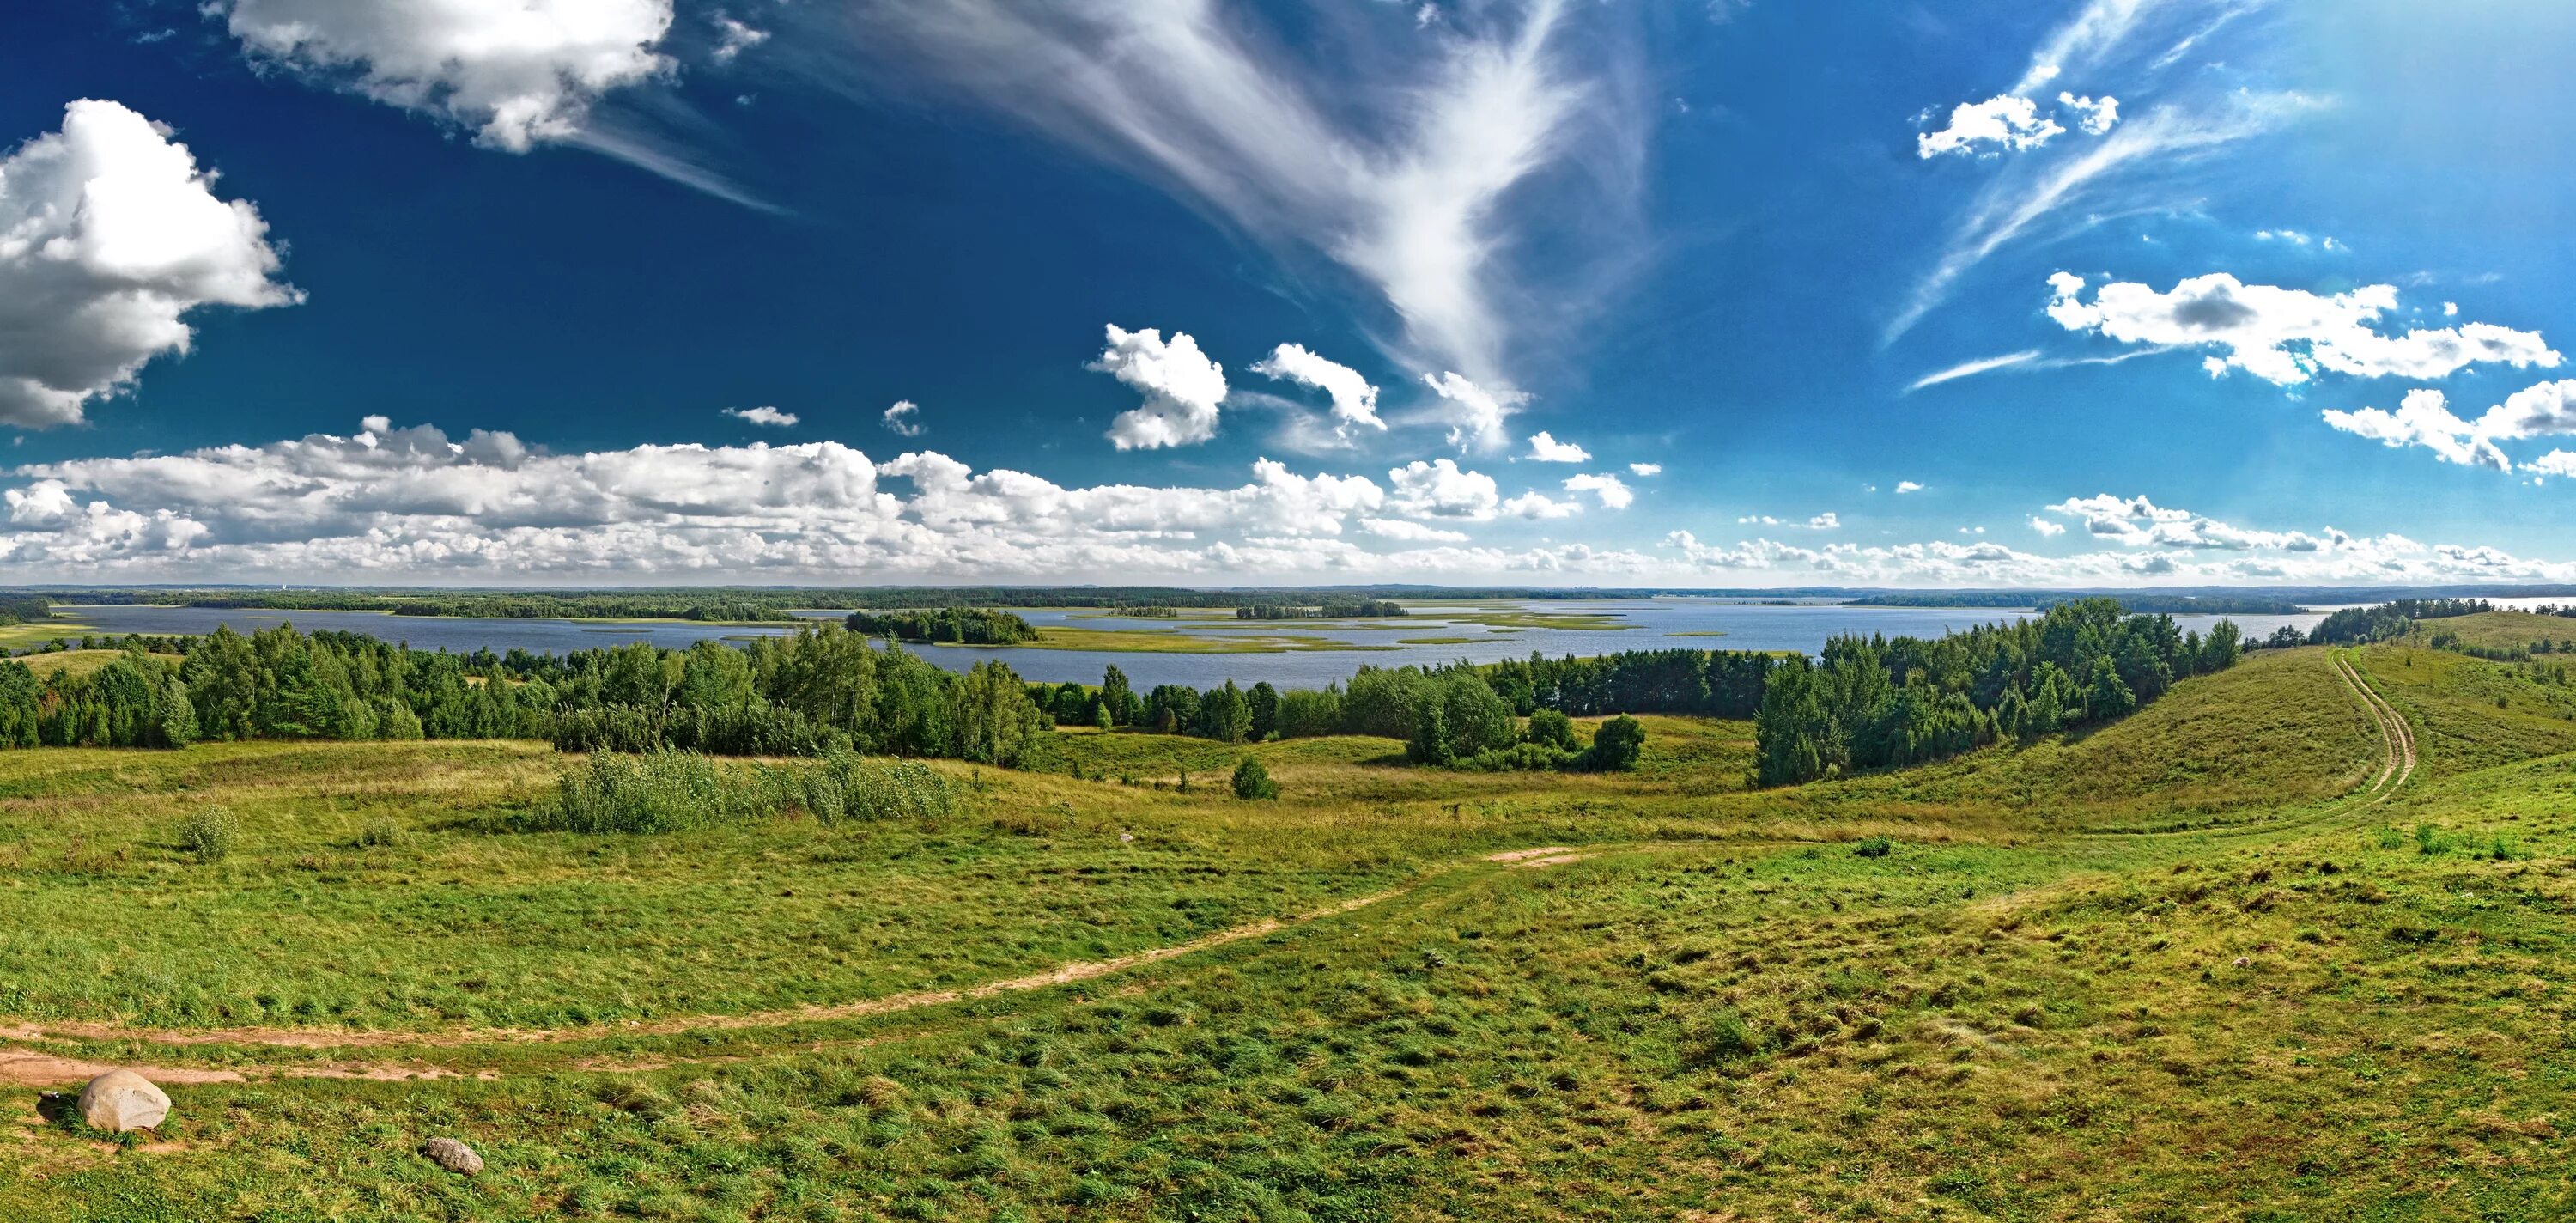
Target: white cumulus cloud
point(1535, 504)
point(766, 416)
point(1354, 399)
point(1613, 492)
point(1475, 415)
point(110, 235)
point(733, 38)
point(1411, 532)
point(1440, 489)
point(417, 505)
point(1643, 470)
point(1544, 448)
point(516, 72)
point(904, 419)
point(2424, 418)
point(1908, 486)
point(2094, 116)
point(2001, 123)
point(2287, 336)
point(1182, 388)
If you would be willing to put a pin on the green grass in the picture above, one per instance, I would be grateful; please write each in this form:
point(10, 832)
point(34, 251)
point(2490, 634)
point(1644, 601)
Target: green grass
point(80, 662)
point(2172, 970)
point(38, 632)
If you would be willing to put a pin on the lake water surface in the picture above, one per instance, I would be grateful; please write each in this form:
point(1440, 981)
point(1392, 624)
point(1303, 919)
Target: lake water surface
point(1643, 624)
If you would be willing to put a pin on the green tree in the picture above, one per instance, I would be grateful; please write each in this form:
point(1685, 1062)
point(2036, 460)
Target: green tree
point(1251, 781)
point(1618, 744)
point(994, 718)
point(1118, 697)
point(715, 676)
point(1265, 710)
point(2106, 695)
point(1225, 715)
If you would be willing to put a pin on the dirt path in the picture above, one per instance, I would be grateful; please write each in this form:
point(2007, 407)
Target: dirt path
point(2394, 729)
point(30, 1068)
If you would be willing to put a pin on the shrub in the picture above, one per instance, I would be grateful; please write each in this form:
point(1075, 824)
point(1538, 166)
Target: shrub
point(1520, 758)
point(1251, 781)
point(1616, 746)
point(608, 728)
point(380, 834)
point(211, 834)
point(2428, 840)
point(659, 791)
point(847, 787)
point(743, 730)
point(1551, 728)
point(1874, 847)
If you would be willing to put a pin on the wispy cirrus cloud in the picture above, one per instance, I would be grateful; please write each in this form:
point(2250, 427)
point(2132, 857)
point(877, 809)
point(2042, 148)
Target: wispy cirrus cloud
point(2029, 200)
point(1970, 369)
point(1399, 167)
point(2137, 151)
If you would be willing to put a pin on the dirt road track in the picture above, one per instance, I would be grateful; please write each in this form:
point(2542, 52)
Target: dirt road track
point(31, 1068)
point(2398, 734)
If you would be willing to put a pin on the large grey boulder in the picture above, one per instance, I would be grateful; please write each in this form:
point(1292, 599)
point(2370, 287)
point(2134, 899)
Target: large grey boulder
point(452, 1155)
point(122, 1100)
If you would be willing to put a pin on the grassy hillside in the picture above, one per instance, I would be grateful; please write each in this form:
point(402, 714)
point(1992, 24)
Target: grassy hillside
point(2275, 732)
point(2505, 629)
point(1709, 1004)
point(2473, 714)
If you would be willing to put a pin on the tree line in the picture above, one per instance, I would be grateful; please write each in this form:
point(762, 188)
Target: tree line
point(2147, 602)
point(821, 689)
point(1866, 703)
point(1876, 702)
point(2363, 625)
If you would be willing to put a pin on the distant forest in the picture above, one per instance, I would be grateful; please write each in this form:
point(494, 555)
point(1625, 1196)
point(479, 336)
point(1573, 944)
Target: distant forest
point(2149, 603)
point(776, 604)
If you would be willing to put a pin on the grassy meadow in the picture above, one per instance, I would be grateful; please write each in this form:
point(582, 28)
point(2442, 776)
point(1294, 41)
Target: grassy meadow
point(2187, 966)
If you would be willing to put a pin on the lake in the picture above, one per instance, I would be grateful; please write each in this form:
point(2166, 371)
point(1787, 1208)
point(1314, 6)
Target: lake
point(1644, 624)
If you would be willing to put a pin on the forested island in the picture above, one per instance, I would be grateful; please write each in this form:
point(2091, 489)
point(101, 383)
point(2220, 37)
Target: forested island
point(944, 626)
point(1339, 609)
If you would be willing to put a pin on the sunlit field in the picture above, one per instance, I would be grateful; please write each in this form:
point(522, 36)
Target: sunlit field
point(2200, 963)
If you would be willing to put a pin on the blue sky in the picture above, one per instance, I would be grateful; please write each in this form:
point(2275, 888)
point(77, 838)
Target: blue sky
point(1597, 292)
